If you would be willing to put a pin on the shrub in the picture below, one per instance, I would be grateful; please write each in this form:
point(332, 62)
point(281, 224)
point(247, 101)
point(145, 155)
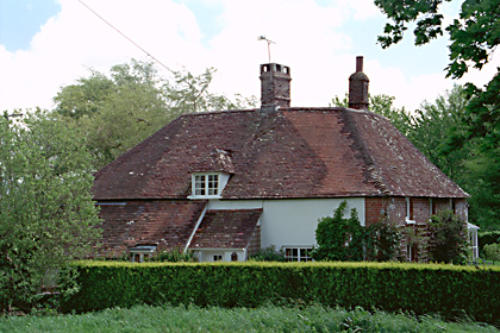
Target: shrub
point(447, 240)
point(419, 288)
point(382, 241)
point(268, 254)
point(174, 255)
point(339, 238)
point(487, 237)
point(492, 252)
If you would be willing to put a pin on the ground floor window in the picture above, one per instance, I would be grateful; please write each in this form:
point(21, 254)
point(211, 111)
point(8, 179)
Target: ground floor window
point(298, 253)
point(217, 257)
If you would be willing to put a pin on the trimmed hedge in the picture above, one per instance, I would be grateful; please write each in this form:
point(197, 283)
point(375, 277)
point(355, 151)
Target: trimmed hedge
point(419, 288)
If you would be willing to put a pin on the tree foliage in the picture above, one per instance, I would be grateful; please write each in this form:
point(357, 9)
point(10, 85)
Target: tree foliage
point(474, 35)
point(118, 111)
point(46, 209)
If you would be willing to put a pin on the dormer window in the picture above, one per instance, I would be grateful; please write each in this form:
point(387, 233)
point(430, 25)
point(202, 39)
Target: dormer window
point(208, 185)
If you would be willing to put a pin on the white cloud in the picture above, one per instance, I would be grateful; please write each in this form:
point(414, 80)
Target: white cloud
point(308, 38)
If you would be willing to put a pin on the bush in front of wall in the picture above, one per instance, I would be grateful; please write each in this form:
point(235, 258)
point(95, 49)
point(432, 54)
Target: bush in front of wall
point(339, 237)
point(173, 255)
point(268, 254)
point(382, 241)
point(419, 288)
point(447, 240)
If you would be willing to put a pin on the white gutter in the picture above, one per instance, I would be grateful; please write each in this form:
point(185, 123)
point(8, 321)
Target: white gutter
point(202, 215)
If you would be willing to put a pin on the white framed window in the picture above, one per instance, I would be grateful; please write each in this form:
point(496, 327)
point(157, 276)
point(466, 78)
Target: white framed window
point(409, 211)
point(208, 185)
point(298, 253)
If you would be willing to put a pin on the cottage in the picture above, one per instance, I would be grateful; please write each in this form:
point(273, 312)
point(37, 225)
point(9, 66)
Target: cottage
point(226, 184)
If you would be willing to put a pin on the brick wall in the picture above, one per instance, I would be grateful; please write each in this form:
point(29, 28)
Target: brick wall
point(375, 209)
point(394, 208)
point(421, 210)
point(254, 244)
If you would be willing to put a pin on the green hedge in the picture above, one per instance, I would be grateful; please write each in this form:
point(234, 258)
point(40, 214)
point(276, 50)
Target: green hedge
point(487, 237)
point(419, 288)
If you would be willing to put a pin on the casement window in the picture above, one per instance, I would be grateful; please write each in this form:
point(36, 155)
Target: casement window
point(409, 211)
point(298, 253)
point(207, 185)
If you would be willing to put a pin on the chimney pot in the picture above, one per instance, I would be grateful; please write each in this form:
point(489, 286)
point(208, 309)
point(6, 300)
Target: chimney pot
point(359, 63)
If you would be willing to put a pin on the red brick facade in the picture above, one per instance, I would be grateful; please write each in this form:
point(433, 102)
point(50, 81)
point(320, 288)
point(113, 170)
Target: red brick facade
point(421, 209)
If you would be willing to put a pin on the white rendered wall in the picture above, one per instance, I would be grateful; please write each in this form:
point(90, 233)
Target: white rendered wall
point(292, 222)
point(208, 255)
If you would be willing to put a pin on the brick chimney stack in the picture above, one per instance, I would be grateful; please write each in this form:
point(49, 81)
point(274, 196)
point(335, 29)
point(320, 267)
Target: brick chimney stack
point(358, 87)
point(275, 85)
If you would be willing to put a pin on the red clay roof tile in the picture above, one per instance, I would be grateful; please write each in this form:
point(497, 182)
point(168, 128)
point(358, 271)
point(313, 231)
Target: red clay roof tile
point(289, 153)
point(224, 229)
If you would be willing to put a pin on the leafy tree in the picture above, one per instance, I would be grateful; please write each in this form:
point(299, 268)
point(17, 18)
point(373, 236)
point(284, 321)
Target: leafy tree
point(474, 37)
point(471, 164)
point(339, 238)
point(447, 240)
point(84, 98)
point(117, 112)
point(190, 93)
point(46, 209)
point(433, 123)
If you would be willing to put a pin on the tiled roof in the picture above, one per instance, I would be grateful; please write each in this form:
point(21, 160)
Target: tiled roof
point(290, 153)
point(167, 224)
point(226, 229)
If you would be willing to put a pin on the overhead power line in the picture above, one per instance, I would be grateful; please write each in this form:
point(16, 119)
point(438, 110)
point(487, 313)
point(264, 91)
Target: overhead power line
point(123, 35)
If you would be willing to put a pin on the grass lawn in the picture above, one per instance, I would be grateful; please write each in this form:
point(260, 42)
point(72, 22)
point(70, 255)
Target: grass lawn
point(262, 319)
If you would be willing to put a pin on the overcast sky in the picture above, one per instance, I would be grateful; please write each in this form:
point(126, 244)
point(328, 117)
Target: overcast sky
point(47, 44)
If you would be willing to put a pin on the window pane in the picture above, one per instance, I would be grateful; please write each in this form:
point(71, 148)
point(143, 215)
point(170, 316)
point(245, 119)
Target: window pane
point(213, 184)
point(305, 254)
point(199, 185)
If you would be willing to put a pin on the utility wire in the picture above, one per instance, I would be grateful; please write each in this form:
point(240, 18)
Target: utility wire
point(124, 36)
